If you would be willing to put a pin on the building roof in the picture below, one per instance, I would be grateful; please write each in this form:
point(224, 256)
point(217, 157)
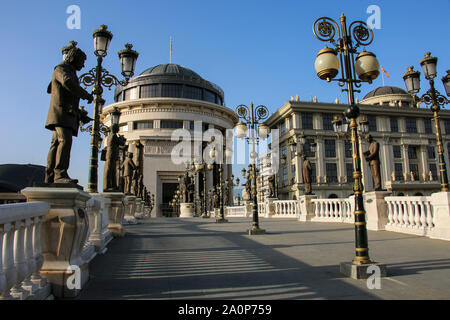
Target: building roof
point(381, 91)
point(172, 80)
point(170, 69)
point(15, 177)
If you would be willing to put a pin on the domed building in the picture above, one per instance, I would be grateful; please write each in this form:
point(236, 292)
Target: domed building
point(153, 105)
point(402, 126)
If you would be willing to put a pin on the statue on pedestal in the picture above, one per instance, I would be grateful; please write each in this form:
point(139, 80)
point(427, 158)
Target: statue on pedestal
point(372, 156)
point(306, 174)
point(128, 170)
point(114, 142)
point(271, 180)
point(64, 115)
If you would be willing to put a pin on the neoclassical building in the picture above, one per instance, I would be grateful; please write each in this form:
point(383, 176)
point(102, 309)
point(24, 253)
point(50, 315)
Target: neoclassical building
point(153, 105)
point(404, 130)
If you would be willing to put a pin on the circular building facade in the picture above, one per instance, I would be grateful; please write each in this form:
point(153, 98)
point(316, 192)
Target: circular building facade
point(153, 105)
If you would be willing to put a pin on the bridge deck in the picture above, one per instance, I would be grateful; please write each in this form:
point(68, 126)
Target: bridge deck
point(171, 258)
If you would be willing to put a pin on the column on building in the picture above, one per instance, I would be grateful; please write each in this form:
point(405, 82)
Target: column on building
point(340, 153)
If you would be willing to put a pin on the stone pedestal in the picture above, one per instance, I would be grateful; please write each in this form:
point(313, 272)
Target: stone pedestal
point(376, 209)
point(130, 210)
point(186, 210)
point(116, 211)
point(63, 236)
point(362, 271)
point(270, 206)
point(99, 235)
point(440, 202)
point(306, 207)
point(139, 211)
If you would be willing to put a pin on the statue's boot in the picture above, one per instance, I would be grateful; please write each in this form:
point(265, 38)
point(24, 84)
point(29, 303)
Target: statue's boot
point(66, 180)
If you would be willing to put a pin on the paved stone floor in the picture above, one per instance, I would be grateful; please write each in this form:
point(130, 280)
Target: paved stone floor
point(171, 258)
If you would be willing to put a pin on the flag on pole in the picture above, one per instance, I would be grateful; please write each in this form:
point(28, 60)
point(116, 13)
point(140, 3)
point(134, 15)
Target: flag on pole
point(382, 69)
point(170, 50)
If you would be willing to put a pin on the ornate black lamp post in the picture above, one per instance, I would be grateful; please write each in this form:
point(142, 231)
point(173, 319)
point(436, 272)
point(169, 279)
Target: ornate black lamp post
point(221, 218)
point(201, 166)
point(251, 119)
point(99, 77)
point(365, 66)
point(434, 99)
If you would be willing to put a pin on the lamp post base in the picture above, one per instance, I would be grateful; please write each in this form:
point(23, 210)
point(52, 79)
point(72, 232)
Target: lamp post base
point(362, 271)
point(255, 231)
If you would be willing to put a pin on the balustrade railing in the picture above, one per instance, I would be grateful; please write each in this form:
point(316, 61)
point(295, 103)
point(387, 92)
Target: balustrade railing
point(286, 209)
point(20, 251)
point(410, 215)
point(236, 211)
point(333, 210)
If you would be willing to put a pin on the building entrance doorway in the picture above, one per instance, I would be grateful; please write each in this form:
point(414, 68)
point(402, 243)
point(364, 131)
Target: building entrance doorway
point(168, 191)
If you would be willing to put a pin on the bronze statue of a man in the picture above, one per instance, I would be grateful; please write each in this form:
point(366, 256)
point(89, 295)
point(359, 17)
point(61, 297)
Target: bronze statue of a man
point(114, 142)
point(128, 170)
point(306, 174)
point(372, 156)
point(64, 115)
point(271, 180)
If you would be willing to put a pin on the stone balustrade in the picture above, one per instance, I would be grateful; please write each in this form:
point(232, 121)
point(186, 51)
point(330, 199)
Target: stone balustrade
point(333, 210)
point(21, 256)
point(237, 211)
point(286, 209)
point(410, 215)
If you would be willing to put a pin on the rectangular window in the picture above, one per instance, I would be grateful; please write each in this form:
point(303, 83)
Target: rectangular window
point(447, 126)
point(428, 126)
point(411, 125)
point(284, 151)
point(348, 149)
point(372, 123)
point(209, 96)
point(327, 119)
point(307, 120)
point(349, 172)
point(150, 91)
point(171, 124)
point(291, 123)
point(433, 170)
point(394, 124)
point(398, 169)
point(131, 94)
point(414, 168)
point(293, 173)
point(397, 152)
point(330, 148)
point(282, 128)
point(313, 173)
point(123, 128)
point(331, 169)
point(285, 176)
point(412, 152)
point(171, 90)
point(190, 92)
point(431, 153)
point(142, 125)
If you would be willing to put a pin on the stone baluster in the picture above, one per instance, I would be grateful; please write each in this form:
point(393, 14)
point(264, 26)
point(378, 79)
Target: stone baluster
point(2, 273)
point(9, 268)
point(418, 212)
point(19, 260)
point(29, 256)
point(37, 251)
point(430, 222)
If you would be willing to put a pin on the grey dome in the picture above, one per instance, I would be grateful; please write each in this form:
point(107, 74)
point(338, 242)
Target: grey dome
point(170, 69)
point(170, 81)
point(381, 91)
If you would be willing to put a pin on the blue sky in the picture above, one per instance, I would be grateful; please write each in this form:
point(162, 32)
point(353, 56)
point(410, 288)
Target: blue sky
point(260, 51)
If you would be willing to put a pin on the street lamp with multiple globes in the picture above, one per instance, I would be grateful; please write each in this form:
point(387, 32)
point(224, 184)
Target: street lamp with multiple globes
point(435, 99)
point(99, 77)
point(366, 67)
point(212, 155)
point(251, 119)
